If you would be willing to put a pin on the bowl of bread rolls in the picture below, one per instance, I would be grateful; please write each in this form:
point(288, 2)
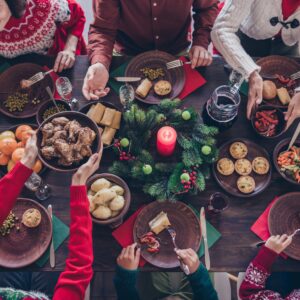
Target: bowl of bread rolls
point(109, 197)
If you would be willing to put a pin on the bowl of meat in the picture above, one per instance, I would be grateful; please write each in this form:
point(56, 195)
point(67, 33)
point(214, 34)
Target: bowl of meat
point(66, 140)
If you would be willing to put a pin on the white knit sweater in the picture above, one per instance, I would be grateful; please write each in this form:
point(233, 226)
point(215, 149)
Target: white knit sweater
point(252, 17)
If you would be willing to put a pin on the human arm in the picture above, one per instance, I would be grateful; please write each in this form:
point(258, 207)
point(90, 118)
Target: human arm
point(126, 272)
point(199, 278)
point(259, 270)
point(293, 111)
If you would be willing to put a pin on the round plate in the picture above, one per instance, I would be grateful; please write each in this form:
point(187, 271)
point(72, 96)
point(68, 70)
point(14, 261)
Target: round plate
point(12, 78)
point(284, 217)
point(182, 219)
point(156, 59)
point(280, 65)
point(228, 183)
point(20, 249)
point(280, 147)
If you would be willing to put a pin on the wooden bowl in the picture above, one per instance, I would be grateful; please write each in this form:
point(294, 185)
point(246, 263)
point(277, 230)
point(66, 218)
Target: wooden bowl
point(281, 124)
point(280, 147)
point(117, 220)
point(49, 104)
point(12, 78)
point(85, 122)
point(20, 249)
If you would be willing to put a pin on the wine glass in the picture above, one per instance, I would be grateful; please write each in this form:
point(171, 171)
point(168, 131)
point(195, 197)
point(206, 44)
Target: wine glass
point(64, 89)
point(217, 203)
point(35, 184)
point(126, 93)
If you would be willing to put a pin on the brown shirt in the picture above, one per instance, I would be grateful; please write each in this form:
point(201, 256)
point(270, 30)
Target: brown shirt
point(135, 26)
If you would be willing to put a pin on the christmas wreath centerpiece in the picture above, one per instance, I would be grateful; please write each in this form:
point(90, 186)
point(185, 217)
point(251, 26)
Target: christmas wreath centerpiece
point(188, 168)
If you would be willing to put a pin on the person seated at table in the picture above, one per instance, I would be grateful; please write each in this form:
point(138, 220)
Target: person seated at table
point(258, 28)
point(135, 26)
point(52, 27)
point(258, 284)
point(126, 275)
point(78, 272)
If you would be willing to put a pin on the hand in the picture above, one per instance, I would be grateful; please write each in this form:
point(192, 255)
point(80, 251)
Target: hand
point(255, 94)
point(94, 85)
point(31, 151)
point(88, 169)
point(65, 60)
point(199, 56)
point(293, 111)
point(129, 258)
point(190, 258)
point(278, 243)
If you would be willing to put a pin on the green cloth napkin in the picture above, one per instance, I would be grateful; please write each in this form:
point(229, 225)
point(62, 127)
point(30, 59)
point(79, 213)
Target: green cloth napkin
point(213, 235)
point(60, 233)
point(4, 66)
point(118, 72)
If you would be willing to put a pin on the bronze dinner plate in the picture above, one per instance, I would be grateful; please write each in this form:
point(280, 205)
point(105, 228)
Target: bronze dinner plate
point(183, 220)
point(10, 84)
point(229, 183)
point(280, 65)
point(284, 217)
point(156, 59)
point(20, 249)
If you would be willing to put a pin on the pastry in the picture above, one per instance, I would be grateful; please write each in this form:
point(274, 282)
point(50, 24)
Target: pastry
point(108, 116)
point(31, 218)
point(100, 184)
point(159, 223)
point(225, 166)
point(117, 203)
point(119, 190)
point(163, 88)
point(108, 135)
point(260, 165)
point(246, 184)
point(283, 96)
point(102, 213)
point(117, 120)
point(238, 150)
point(104, 196)
point(243, 166)
point(144, 88)
point(269, 90)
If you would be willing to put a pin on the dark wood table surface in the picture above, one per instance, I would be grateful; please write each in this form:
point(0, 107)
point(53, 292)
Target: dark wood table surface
point(235, 249)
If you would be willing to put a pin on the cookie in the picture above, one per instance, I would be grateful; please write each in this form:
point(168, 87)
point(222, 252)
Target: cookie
point(260, 165)
point(243, 166)
point(163, 88)
point(246, 184)
point(238, 150)
point(225, 166)
point(31, 218)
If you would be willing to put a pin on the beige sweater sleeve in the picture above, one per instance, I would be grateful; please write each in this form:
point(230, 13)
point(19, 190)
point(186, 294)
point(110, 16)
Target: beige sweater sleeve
point(225, 39)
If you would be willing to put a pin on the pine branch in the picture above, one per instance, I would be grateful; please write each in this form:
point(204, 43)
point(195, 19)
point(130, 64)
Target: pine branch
point(120, 169)
point(191, 157)
point(200, 182)
point(184, 141)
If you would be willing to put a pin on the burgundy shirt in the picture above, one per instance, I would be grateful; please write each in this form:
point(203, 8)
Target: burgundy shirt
point(135, 26)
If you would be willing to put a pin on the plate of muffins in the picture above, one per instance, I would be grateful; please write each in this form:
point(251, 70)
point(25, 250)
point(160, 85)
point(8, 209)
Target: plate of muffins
point(243, 168)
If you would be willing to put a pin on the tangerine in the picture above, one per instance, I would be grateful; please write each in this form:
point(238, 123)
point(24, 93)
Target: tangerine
point(8, 146)
point(17, 155)
point(7, 134)
point(20, 130)
point(37, 166)
point(10, 165)
point(4, 159)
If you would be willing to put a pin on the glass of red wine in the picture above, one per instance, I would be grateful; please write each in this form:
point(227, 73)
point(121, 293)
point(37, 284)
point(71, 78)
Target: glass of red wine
point(217, 203)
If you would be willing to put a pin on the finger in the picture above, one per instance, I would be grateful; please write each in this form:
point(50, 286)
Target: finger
point(57, 61)
point(131, 250)
point(93, 96)
point(283, 238)
point(290, 121)
point(289, 111)
point(85, 89)
point(249, 107)
point(259, 95)
point(63, 62)
point(93, 159)
point(210, 59)
point(68, 62)
point(287, 242)
point(195, 57)
point(201, 58)
point(99, 94)
point(206, 59)
point(122, 253)
point(137, 255)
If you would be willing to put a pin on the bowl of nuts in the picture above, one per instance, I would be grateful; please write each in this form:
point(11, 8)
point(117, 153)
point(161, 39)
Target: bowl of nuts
point(48, 109)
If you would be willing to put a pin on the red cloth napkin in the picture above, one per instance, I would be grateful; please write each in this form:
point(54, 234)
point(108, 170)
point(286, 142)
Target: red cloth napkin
point(193, 80)
point(54, 77)
point(124, 233)
point(261, 226)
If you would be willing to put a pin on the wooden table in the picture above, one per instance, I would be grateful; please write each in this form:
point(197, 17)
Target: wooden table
point(234, 250)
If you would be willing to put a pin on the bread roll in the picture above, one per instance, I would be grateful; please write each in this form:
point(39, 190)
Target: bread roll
point(119, 190)
point(284, 96)
point(144, 88)
point(117, 203)
point(102, 213)
point(269, 90)
point(104, 196)
point(100, 184)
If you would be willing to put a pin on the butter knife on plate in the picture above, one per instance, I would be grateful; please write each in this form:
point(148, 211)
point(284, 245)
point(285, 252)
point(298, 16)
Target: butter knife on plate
point(52, 251)
point(204, 235)
point(127, 79)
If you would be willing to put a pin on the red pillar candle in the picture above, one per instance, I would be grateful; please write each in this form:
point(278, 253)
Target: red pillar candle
point(166, 140)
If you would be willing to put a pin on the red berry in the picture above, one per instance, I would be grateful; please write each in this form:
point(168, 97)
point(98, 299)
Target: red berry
point(182, 181)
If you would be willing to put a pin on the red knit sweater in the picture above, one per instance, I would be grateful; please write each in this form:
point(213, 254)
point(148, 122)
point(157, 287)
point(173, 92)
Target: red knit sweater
point(78, 273)
point(254, 284)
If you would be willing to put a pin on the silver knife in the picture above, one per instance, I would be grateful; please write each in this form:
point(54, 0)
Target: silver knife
point(204, 235)
point(127, 79)
point(52, 251)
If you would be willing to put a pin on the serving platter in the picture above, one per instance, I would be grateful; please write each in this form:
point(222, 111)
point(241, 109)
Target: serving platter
point(182, 219)
point(156, 59)
point(22, 248)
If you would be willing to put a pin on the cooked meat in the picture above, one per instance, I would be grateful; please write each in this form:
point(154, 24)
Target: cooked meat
point(62, 134)
point(73, 127)
point(49, 152)
point(86, 136)
point(86, 151)
point(58, 128)
point(47, 132)
point(60, 121)
point(64, 162)
point(64, 149)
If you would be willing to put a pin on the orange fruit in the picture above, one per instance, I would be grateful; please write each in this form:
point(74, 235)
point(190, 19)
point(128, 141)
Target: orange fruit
point(8, 146)
point(10, 165)
point(37, 166)
point(7, 134)
point(25, 136)
point(17, 155)
point(20, 145)
point(4, 159)
point(20, 130)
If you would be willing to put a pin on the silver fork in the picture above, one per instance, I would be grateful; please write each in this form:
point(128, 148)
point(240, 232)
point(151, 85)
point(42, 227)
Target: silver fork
point(38, 77)
point(184, 267)
point(295, 76)
point(176, 63)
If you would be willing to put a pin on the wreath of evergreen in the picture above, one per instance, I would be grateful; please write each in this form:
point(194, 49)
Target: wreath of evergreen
point(165, 178)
